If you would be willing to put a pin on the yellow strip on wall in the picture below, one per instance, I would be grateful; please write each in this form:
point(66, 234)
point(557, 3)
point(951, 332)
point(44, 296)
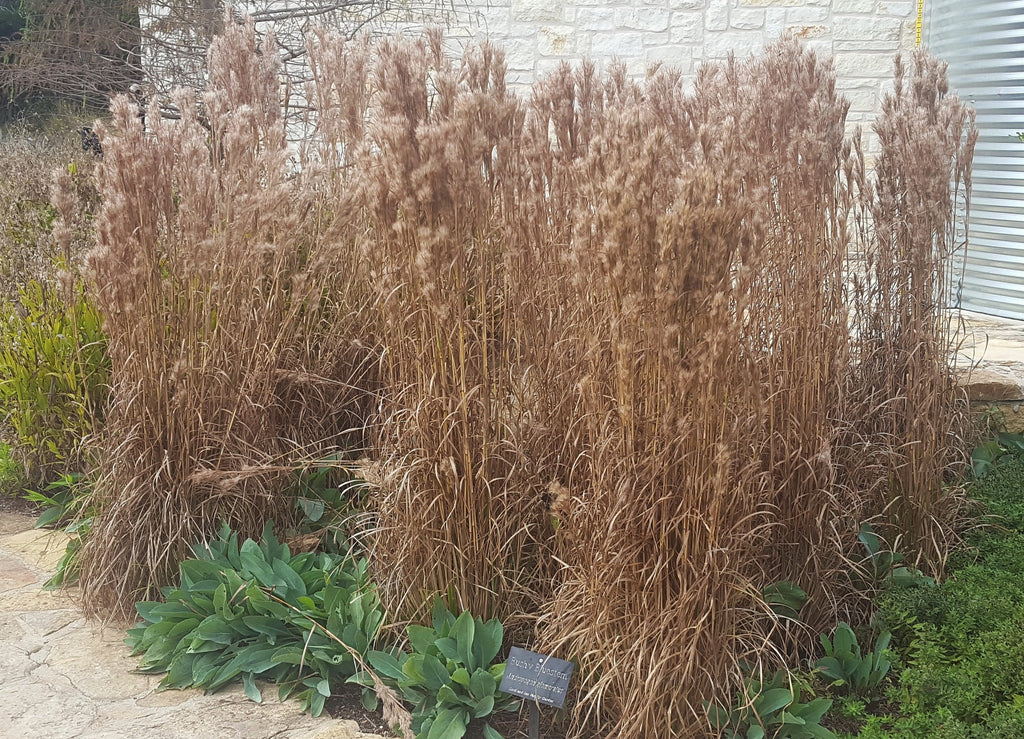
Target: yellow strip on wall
point(920, 17)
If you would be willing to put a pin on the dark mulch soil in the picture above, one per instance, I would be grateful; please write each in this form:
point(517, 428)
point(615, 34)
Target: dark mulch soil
point(346, 704)
point(15, 504)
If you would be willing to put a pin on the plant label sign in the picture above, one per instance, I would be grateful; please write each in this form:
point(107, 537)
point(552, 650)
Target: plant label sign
point(536, 677)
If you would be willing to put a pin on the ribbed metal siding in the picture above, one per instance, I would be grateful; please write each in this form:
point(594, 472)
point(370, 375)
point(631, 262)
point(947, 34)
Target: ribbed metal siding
point(983, 41)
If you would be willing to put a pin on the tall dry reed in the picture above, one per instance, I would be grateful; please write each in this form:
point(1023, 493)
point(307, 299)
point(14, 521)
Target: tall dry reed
point(912, 215)
point(228, 364)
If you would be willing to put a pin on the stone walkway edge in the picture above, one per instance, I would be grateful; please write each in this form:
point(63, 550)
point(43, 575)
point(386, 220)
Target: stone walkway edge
point(63, 677)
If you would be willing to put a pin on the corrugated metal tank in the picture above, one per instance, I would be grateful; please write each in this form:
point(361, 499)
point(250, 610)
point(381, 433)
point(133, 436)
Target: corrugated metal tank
point(983, 42)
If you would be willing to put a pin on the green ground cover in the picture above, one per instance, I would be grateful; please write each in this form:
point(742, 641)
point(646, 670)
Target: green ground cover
point(11, 473)
point(959, 647)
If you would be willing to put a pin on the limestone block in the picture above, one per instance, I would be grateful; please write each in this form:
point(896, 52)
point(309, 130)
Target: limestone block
point(746, 19)
point(671, 55)
point(720, 45)
point(863, 98)
point(590, 20)
point(873, 45)
point(772, 3)
point(873, 65)
point(899, 8)
point(716, 17)
point(806, 15)
point(992, 385)
point(619, 44)
point(686, 28)
point(538, 10)
point(643, 19)
point(811, 32)
point(520, 53)
point(558, 41)
point(855, 27)
point(853, 6)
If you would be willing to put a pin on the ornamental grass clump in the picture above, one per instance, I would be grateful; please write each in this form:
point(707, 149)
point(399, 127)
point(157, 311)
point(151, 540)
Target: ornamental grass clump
point(912, 216)
point(624, 380)
point(233, 344)
point(435, 170)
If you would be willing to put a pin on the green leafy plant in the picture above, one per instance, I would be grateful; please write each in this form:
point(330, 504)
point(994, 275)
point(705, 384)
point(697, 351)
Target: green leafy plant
point(988, 453)
point(772, 709)
point(60, 500)
point(53, 376)
point(786, 599)
point(329, 499)
point(846, 668)
point(12, 475)
point(252, 611)
point(65, 503)
point(959, 642)
point(884, 567)
point(450, 676)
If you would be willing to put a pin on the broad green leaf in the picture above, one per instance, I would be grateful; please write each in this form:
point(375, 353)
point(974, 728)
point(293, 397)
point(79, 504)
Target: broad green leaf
point(369, 700)
point(316, 703)
point(386, 665)
point(482, 685)
point(487, 642)
point(249, 684)
point(772, 700)
point(289, 579)
point(214, 629)
point(49, 516)
point(446, 696)
point(363, 678)
point(792, 719)
point(448, 647)
point(149, 611)
point(464, 632)
point(312, 508)
point(449, 724)
point(483, 707)
point(490, 733)
point(421, 638)
point(434, 673)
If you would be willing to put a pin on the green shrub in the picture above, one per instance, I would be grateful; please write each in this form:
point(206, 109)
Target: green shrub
point(846, 668)
point(450, 676)
point(772, 709)
point(963, 655)
point(330, 500)
point(12, 474)
point(66, 502)
point(53, 377)
point(256, 611)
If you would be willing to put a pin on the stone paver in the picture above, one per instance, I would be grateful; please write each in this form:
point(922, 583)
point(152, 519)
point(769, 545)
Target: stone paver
point(991, 362)
point(63, 677)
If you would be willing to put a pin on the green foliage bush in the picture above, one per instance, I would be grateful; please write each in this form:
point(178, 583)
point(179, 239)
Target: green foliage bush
point(12, 474)
point(53, 377)
point(255, 611)
point(846, 668)
point(772, 708)
point(66, 502)
point(963, 666)
point(450, 676)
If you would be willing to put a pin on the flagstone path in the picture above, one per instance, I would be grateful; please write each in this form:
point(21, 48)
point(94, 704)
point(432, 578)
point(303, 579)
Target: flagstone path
point(63, 677)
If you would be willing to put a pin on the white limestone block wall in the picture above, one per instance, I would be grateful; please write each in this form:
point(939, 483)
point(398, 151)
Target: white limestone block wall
point(862, 36)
